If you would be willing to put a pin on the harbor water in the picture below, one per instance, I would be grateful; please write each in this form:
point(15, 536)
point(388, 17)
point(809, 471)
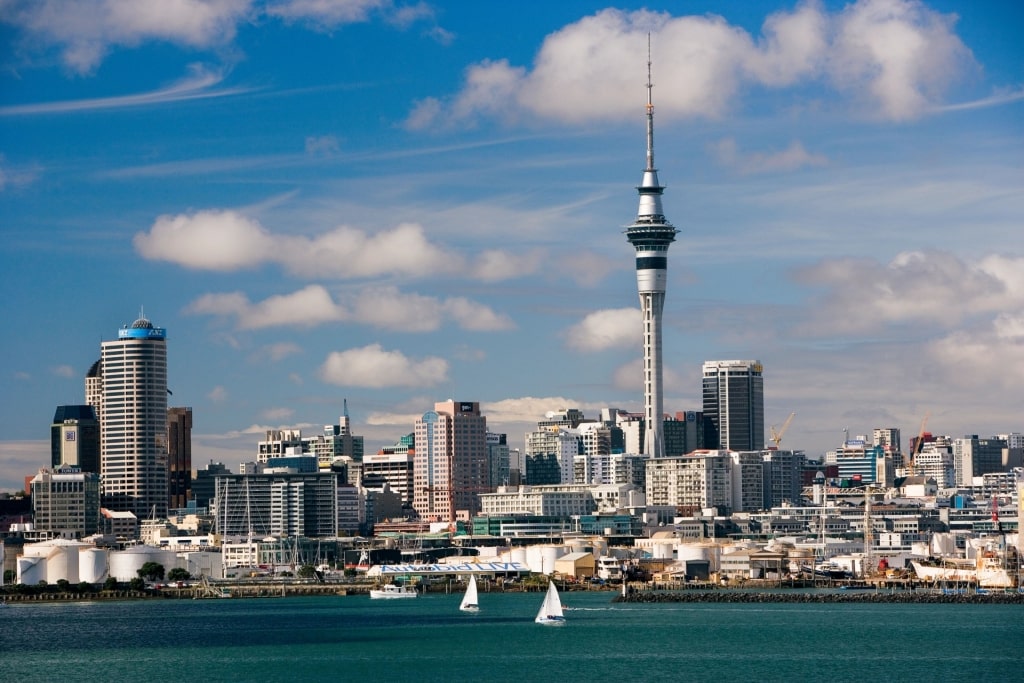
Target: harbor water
point(428, 639)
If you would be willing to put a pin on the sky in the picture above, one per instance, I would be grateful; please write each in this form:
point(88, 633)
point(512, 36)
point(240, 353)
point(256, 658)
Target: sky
point(397, 204)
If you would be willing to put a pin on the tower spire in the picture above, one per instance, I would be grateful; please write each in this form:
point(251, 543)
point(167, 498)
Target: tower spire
point(650, 111)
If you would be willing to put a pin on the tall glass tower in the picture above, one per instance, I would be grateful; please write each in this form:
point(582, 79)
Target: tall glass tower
point(651, 234)
point(133, 420)
point(734, 402)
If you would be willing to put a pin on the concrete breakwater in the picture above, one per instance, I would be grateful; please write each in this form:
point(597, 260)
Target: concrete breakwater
point(737, 596)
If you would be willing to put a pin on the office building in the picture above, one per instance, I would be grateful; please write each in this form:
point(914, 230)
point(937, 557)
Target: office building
point(132, 373)
point(450, 468)
point(734, 403)
point(179, 457)
point(65, 503)
point(75, 438)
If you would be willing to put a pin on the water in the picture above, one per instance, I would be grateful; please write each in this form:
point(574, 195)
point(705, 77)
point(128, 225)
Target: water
point(427, 639)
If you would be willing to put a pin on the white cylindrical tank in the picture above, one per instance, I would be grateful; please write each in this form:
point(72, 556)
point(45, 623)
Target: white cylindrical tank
point(518, 555)
point(62, 563)
point(689, 551)
point(125, 564)
point(92, 565)
point(31, 569)
point(662, 551)
point(542, 558)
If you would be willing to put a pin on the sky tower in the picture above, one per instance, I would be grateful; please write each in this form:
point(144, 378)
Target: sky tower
point(650, 234)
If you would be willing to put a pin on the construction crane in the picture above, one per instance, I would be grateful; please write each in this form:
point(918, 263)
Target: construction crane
point(777, 435)
point(918, 445)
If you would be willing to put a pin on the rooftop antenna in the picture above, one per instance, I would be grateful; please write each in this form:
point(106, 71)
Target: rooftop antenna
point(650, 110)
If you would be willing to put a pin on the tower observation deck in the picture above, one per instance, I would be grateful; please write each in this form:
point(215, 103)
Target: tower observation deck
point(651, 234)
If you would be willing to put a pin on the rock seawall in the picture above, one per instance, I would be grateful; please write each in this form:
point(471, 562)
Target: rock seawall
point(727, 596)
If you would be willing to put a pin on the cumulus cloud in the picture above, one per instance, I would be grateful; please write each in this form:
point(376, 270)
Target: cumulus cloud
point(789, 159)
point(85, 31)
point(630, 378)
point(931, 286)
point(277, 414)
point(218, 394)
point(380, 307)
point(373, 367)
point(279, 351)
point(618, 328)
point(226, 240)
point(896, 55)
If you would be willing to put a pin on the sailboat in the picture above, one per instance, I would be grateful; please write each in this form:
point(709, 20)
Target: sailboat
point(469, 603)
point(550, 613)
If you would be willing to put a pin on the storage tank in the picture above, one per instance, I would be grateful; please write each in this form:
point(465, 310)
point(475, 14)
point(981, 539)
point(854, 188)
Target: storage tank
point(542, 558)
point(125, 564)
point(518, 555)
point(92, 565)
point(62, 562)
point(690, 551)
point(662, 551)
point(31, 569)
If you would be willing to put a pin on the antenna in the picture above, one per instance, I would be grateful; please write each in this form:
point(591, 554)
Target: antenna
point(650, 110)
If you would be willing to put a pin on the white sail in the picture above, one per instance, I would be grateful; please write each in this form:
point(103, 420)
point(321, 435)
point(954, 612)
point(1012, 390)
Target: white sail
point(550, 613)
point(469, 603)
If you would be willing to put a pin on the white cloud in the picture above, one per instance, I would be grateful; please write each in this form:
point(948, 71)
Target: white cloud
point(218, 394)
point(629, 377)
point(86, 30)
point(63, 371)
point(895, 54)
point(278, 414)
point(789, 159)
point(934, 288)
point(225, 240)
point(324, 145)
point(380, 307)
point(279, 351)
point(198, 84)
point(325, 14)
point(618, 328)
point(373, 367)
point(14, 176)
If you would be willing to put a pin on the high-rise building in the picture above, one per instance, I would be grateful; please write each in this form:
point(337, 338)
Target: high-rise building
point(450, 462)
point(651, 235)
point(133, 420)
point(75, 438)
point(66, 503)
point(179, 456)
point(734, 402)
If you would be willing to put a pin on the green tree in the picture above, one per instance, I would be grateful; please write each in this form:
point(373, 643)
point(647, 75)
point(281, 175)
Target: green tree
point(178, 574)
point(9, 576)
point(137, 584)
point(152, 571)
point(110, 584)
point(307, 571)
point(63, 585)
point(84, 587)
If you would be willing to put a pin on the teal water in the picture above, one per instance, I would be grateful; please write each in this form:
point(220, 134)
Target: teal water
point(427, 639)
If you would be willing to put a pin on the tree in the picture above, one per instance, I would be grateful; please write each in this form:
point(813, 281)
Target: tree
point(63, 585)
point(178, 574)
point(9, 576)
point(307, 571)
point(136, 584)
point(110, 584)
point(152, 571)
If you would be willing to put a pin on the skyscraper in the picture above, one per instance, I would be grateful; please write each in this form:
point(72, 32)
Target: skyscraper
point(133, 420)
point(450, 461)
point(650, 234)
point(734, 402)
point(75, 438)
point(179, 456)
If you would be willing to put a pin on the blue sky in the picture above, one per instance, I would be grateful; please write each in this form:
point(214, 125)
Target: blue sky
point(398, 204)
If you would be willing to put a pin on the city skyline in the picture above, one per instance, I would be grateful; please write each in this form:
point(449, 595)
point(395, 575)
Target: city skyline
point(314, 222)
